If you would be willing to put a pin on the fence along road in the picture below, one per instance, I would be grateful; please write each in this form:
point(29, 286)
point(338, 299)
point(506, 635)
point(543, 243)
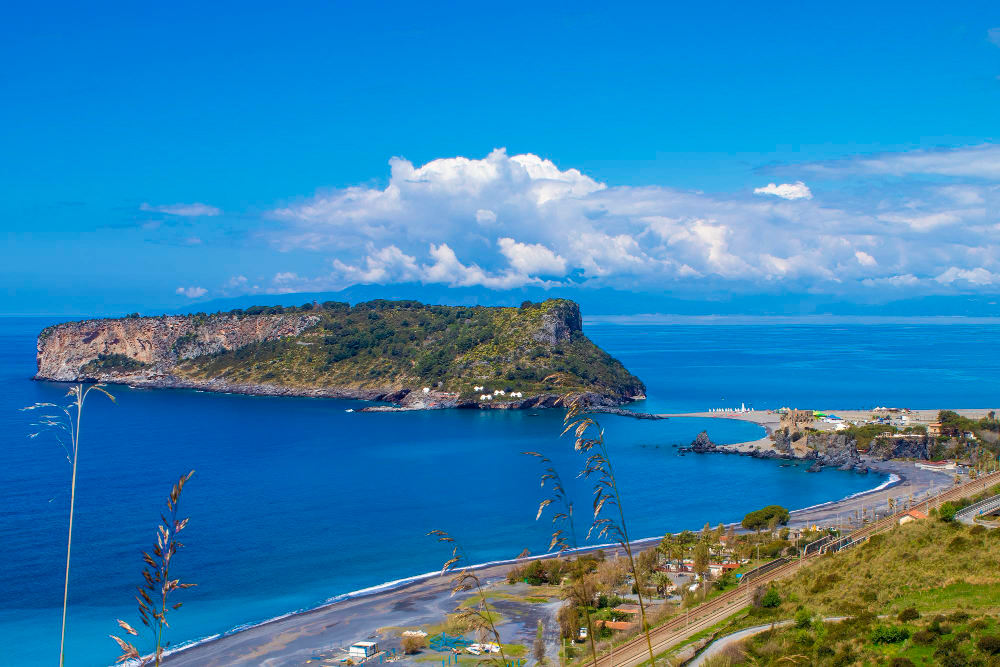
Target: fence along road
point(664, 637)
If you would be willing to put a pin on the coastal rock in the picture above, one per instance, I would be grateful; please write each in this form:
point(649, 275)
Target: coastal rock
point(702, 444)
point(834, 449)
point(861, 469)
point(782, 441)
point(815, 467)
point(910, 446)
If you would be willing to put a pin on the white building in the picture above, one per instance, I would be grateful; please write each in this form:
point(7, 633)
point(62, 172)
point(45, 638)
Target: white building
point(363, 650)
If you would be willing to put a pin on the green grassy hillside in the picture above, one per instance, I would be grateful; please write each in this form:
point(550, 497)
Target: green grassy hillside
point(405, 344)
point(926, 593)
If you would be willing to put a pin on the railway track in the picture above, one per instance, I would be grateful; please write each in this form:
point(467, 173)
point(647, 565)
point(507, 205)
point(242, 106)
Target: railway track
point(664, 637)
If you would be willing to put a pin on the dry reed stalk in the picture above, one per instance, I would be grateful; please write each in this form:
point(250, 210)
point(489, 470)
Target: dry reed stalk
point(598, 464)
point(157, 585)
point(71, 425)
point(551, 477)
point(480, 618)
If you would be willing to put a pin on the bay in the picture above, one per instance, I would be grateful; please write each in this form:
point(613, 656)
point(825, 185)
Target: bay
point(296, 501)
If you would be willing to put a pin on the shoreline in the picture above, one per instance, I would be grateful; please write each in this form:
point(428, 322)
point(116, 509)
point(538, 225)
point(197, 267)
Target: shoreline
point(425, 598)
point(402, 400)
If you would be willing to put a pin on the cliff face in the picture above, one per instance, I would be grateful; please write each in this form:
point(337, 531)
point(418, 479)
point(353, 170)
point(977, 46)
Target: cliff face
point(835, 449)
point(156, 343)
point(901, 447)
point(420, 355)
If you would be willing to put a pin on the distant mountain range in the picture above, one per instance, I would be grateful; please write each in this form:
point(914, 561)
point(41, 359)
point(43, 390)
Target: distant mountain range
point(620, 302)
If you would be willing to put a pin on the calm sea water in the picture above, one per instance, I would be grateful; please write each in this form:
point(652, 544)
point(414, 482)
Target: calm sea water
point(296, 501)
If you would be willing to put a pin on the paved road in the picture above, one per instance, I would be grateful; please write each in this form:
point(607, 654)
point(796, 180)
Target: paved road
point(719, 645)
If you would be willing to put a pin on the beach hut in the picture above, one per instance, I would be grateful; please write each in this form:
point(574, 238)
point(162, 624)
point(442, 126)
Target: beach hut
point(363, 650)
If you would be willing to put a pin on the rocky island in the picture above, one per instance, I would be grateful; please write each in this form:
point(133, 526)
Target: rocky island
point(403, 352)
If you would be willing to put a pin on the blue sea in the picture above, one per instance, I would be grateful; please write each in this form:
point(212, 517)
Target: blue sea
point(296, 502)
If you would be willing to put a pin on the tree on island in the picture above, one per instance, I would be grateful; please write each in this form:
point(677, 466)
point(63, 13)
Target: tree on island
point(760, 518)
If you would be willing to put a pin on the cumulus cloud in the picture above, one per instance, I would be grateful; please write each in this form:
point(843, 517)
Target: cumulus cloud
point(532, 259)
point(506, 221)
point(194, 210)
point(191, 292)
point(797, 190)
point(864, 259)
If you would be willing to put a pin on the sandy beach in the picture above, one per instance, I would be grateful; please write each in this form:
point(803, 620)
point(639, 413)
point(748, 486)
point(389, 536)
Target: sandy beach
point(318, 636)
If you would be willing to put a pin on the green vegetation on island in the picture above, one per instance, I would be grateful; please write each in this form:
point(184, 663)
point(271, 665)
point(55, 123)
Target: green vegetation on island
point(406, 344)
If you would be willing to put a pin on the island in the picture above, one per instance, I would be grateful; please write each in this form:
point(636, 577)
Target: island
point(410, 354)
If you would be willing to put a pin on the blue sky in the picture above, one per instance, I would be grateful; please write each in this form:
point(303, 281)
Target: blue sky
point(158, 154)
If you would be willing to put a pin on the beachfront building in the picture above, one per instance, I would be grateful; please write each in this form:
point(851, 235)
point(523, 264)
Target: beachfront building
point(934, 429)
point(362, 650)
point(796, 420)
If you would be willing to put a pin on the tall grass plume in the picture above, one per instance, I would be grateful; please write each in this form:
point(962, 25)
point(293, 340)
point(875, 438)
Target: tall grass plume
point(589, 440)
point(153, 593)
point(66, 429)
point(562, 539)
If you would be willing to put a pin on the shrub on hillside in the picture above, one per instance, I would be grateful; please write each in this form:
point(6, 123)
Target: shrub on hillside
point(901, 662)
point(989, 644)
point(909, 614)
point(889, 634)
point(949, 655)
point(924, 637)
point(771, 599)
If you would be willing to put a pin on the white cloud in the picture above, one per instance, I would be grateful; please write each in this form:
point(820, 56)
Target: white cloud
point(187, 210)
point(797, 190)
point(864, 259)
point(191, 292)
point(532, 259)
point(484, 216)
point(193, 240)
point(507, 221)
point(978, 276)
point(236, 281)
point(387, 265)
point(993, 34)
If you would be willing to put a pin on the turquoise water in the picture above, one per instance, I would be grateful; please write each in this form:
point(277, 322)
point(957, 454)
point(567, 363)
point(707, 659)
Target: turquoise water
point(296, 501)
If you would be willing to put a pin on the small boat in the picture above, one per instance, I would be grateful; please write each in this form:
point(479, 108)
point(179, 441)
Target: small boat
point(349, 410)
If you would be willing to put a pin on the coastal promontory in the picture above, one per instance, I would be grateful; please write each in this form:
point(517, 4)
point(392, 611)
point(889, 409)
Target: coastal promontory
point(405, 352)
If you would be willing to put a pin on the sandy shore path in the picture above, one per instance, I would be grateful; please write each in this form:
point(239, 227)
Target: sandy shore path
point(301, 637)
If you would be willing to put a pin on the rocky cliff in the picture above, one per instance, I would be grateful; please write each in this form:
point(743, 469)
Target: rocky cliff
point(416, 354)
point(155, 343)
point(900, 447)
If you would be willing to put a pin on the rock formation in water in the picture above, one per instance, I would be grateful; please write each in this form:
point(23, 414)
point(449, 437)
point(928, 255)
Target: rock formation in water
point(421, 356)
